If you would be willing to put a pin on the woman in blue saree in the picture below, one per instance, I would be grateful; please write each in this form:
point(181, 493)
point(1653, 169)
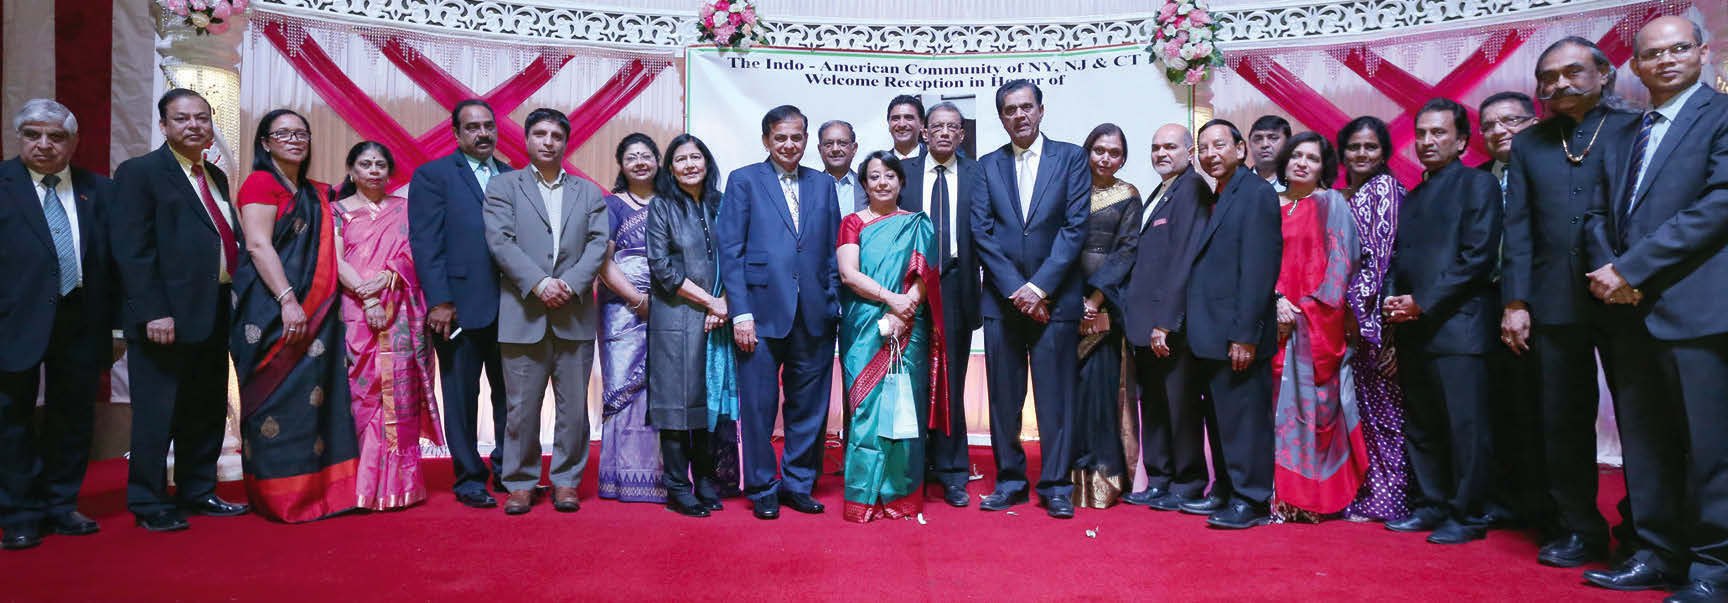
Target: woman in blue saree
point(890, 333)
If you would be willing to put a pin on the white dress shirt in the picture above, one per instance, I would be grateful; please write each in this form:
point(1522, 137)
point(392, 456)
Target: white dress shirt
point(225, 273)
point(552, 197)
point(1026, 179)
point(905, 156)
point(63, 190)
point(1666, 114)
point(1157, 199)
point(953, 165)
point(1276, 185)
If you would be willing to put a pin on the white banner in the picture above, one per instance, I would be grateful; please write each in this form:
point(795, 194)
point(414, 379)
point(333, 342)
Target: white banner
point(727, 92)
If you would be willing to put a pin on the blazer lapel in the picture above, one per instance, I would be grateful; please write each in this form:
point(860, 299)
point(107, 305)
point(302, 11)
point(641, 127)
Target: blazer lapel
point(915, 184)
point(568, 199)
point(806, 190)
point(467, 175)
point(81, 191)
point(1226, 201)
point(530, 188)
point(1005, 171)
point(23, 188)
point(1041, 181)
point(1689, 113)
point(176, 176)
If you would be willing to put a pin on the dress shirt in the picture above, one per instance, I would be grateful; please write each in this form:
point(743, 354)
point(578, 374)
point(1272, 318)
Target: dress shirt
point(1026, 179)
point(1665, 116)
point(482, 175)
point(843, 189)
point(552, 197)
point(224, 273)
point(1276, 185)
point(1499, 171)
point(929, 192)
point(905, 156)
point(63, 190)
point(1157, 199)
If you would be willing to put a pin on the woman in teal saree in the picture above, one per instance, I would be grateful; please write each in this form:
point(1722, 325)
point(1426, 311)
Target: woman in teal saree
point(890, 333)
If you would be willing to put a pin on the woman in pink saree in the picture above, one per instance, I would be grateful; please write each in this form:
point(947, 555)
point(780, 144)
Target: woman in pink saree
point(390, 360)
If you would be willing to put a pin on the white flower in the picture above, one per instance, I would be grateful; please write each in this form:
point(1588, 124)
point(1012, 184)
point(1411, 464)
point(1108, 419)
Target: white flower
point(1170, 30)
point(1175, 63)
point(1184, 8)
point(737, 7)
point(1203, 49)
point(1201, 33)
point(745, 44)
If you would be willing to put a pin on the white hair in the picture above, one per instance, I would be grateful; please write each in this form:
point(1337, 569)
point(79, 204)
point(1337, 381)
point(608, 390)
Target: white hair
point(45, 110)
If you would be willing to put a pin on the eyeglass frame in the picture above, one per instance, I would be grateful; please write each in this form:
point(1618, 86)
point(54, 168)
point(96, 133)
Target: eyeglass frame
point(1506, 122)
point(291, 135)
point(1678, 50)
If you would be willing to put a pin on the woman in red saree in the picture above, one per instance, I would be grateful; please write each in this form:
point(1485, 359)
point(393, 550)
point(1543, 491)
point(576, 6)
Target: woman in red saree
point(298, 445)
point(1321, 458)
point(390, 372)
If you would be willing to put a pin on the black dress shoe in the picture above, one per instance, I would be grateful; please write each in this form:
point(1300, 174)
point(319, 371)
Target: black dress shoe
point(686, 505)
point(213, 506)
point(801, 503)
point(1453, 532)
point(1170, 501)
point(1239, 515)
point(166, 521)
point(1145, 497)
point(1700, 591)
point(21, 536)
point(711, 504)
point(1423, 520)
point(1571, 550)
point(478, 499)
point(1059, 507)
point(767, 509)
point(1002, 501)
point(1203, 506)
point(498, 484)
point(956, 496)
point(1634, 574)
point(71, 523)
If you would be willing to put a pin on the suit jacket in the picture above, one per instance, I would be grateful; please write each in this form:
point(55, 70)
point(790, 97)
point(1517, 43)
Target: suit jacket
point(1234, 271)
point(964, 301)
point(1040, 248)
point(519, 234)
point(29, 301)
point(166, 248)
point(1546, 199)
point(771, 270)
point(1670, 245)
point(1147, 275)
point(447, 235)
point(1444, 255)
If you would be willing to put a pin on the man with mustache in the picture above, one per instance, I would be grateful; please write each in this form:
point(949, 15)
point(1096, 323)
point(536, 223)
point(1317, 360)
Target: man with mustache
point(776, 233)
point(1149, 272)
point(1440, 294)
point(1655, 234)
point(447, 233)
point(1548, 313)
point(1029, 209)
point(1265, 137)
point(837, 145)
point(906, 126)
point(940, 183)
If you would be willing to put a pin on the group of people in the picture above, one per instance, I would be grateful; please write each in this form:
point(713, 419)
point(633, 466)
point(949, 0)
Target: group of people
point(1344, 346)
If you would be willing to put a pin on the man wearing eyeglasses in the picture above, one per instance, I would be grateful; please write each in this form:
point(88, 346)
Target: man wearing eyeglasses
point(837, 144)
point(1655, 234)
point(1549, 317)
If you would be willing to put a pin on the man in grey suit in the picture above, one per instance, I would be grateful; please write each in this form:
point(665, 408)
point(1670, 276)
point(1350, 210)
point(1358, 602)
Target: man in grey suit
point(547, 232)
point(838, 144)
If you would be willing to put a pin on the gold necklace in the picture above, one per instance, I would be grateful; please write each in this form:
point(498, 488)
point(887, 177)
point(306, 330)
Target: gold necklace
point(1579, 158)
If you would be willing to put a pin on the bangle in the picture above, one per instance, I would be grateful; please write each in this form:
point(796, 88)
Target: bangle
point(285, 293)
point(371, 302)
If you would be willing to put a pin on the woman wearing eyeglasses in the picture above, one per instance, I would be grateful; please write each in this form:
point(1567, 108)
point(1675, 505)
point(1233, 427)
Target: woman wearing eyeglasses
point(299, 447)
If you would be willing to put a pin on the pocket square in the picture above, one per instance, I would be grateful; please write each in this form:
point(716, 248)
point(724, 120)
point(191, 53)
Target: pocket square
point(1159, 222)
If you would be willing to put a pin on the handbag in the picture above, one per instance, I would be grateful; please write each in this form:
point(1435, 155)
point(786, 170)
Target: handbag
point(899, 420)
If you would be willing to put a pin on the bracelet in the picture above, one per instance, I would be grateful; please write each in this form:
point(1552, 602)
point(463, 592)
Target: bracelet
point(285, 293)
point(371, 302)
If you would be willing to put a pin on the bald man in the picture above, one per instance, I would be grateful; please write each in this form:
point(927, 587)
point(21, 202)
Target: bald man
point(1147, 277)
point(1655, 238)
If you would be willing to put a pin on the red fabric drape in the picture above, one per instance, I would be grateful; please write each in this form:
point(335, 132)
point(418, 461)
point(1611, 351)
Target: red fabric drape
point(83, 74)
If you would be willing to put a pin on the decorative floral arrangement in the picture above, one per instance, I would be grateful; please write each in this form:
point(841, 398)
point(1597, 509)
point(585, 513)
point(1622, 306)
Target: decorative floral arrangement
point(205, 16)
point(729, 24)
point(1185, 41)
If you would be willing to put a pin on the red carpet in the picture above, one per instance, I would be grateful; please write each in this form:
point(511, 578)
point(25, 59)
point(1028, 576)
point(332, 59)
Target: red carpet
point(441, 550)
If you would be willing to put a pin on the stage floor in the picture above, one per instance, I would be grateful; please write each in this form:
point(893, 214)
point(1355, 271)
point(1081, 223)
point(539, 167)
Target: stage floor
point(441, 550)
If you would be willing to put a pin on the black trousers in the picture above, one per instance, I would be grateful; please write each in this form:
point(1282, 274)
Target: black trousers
point(1055, 366)
point(1448, 431)
point(42, 467)
point(687, 463)
point(1702, 370)
point(460, 362)
point(950, 463)
point(1521, 478)
point(1243, 404)
point(179, 395)
point(1174, 419)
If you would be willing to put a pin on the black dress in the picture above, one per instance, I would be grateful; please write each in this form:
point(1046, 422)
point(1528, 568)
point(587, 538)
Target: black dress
point(1102, 426)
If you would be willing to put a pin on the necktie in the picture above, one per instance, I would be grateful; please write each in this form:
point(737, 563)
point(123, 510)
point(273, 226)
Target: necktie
point(939, 201)
point(790, 187)
point(1638, 160)
point(1024, 188)
point(483, 174)
point(60, 226)
point(230, 251)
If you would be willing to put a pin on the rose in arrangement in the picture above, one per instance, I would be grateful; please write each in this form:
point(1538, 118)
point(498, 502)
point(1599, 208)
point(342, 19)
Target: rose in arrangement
point(205, 16)
point(1183, 41)
point(729, 24)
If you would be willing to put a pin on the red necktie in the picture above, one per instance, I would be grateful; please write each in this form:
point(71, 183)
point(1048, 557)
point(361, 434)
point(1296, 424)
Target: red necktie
point(230, 250)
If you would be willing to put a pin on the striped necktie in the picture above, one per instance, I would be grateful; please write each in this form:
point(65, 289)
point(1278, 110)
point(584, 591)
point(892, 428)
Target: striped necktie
point(60, 226)
point(1638, 147)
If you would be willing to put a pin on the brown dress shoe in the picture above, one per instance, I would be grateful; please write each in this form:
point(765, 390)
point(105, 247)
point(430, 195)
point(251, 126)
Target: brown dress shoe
point(564, 500)
point(519, 502)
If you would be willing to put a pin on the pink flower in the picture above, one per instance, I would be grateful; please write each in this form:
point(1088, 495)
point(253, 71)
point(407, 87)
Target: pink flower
point(1169, 10)
point(1172, 49)
point(220, 9)
point(723, 33)
point(750, 15)
point(1199, 17)
point(734, 19)
point(218, 28)
point(239, 6)
point(1182, 38)
point(1194, 76)
point(199, 5)
point(177, 7)
point(707, 12)
point(722, 6)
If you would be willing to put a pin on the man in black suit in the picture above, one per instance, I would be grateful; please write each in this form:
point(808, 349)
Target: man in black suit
point(447, 232)
point(1656, 234)
point(1548, 312)
point(56, 249)
point(941, 183)
point(1230, 316)
point(1441, 295)
point(176, 246)
point(1029, 208)
point(1148, 275)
